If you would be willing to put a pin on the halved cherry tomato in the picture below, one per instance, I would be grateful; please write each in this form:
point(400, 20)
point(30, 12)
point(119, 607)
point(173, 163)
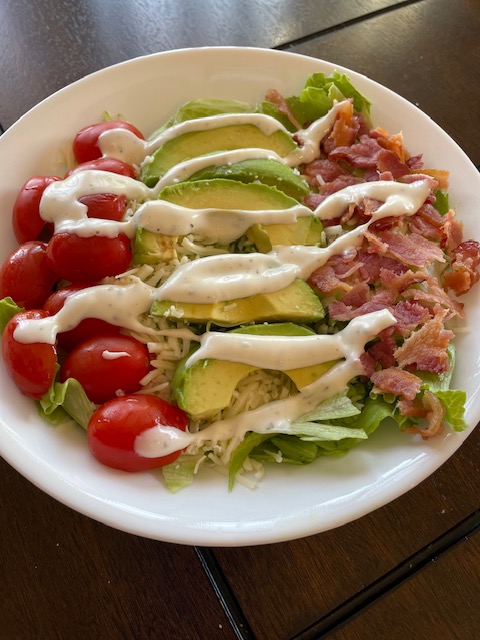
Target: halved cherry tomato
point(26, 275)
point(85, 145)
point(107, 206)
point(112, 165)
point(115, 425)
point(31, 366)
point(87, 328)
point(26, 220)
point(79, 259)
point(105, 365)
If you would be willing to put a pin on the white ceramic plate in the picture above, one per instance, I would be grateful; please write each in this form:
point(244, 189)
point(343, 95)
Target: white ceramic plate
point(291, 502)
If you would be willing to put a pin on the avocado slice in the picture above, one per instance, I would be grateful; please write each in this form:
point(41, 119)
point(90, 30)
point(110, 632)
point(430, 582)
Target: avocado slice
point(207, 387)
point(199, 143)
point(297, 303)
point(152, 248)
point(226, 194)
point(220, 193)
point(269, 172)
point(307, 231)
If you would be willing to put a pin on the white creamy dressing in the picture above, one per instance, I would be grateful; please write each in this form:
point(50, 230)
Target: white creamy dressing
point(221, 277)
point(114, 355)
point(125, 145)
point(277, 416)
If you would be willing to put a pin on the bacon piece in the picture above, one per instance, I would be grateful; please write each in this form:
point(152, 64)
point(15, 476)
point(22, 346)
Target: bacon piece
point(435, 296)
point(425, 349)
point(428, 223)
point(412, 249)
point(431, 409)
point(395, 381)
point(332, 274)
point(389, 161)
point(368, 364)
point(383, 350)
point(357, 296)
point(345, 129)
point(465, 268)
point(326, 169)
point(363, 154)
point(393, 143)
point(373, 263)
point(452, 231)
point(409, 315)
point(338, 310)
point(398, 282)
point(277, 99)
point(339, 184)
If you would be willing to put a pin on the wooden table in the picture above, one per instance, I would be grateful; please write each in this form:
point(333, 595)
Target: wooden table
point(410, 569)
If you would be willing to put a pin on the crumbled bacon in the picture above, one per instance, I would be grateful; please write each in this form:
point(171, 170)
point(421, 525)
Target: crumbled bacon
point(430, 408)
point(465, 266)
point(399, 265)
point(338, 310)
point(397, 382)
point(411, 250)
point(426, 349)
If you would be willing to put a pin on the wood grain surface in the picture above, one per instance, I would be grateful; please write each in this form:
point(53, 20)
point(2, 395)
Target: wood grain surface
point(409, 569)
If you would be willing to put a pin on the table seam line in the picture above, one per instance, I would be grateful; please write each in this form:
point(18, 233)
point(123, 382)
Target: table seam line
point(391, 580)
point(228, 601)
point(344, 25)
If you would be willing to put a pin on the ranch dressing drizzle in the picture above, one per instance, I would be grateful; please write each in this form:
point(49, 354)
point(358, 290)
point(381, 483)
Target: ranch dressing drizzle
point(228, 276)
point(124, 145)
point(277, 416)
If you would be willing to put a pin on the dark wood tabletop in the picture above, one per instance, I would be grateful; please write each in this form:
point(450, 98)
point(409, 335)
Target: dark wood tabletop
point(411, 569)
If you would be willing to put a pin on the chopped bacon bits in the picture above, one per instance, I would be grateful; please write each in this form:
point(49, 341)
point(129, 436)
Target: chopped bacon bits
point(464, 271)
point(397, 382)
point(414, 266)
point(426, 349)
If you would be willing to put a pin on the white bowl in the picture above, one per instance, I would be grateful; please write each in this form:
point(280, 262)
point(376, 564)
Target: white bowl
point(290, 502)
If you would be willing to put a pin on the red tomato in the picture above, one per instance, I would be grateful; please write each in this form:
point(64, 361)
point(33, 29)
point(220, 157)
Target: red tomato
point(85, 146)
point(107, 364)
point(80, 259)
point(112, 165)
point(87, 328)
point(115, 425)
point(26, 220)
point(31, 366)
point(106, 206)
point(26, 275)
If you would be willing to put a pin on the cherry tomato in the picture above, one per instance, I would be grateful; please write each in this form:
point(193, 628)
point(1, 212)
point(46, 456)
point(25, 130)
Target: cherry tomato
point(80, 259)
point(112, 165)
point(31, 366)
point(26, 220)
point(115, 425)
point(85, 146)
point(87, 328)
point(106, 364)
point(107, 206)
point(26, 275)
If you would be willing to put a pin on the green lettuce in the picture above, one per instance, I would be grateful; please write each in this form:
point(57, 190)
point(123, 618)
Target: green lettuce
point(319, 94)
point(8, 308)
point(66, 401)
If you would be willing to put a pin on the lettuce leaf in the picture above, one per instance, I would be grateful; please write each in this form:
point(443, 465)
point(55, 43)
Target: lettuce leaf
point(66, 401)
point(319, 94)
point(180, 474)
point(338, 406)
point(8, 308)
point(454, 402)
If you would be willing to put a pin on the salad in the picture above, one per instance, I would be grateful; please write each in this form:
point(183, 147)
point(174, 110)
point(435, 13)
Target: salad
point(251, 284)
